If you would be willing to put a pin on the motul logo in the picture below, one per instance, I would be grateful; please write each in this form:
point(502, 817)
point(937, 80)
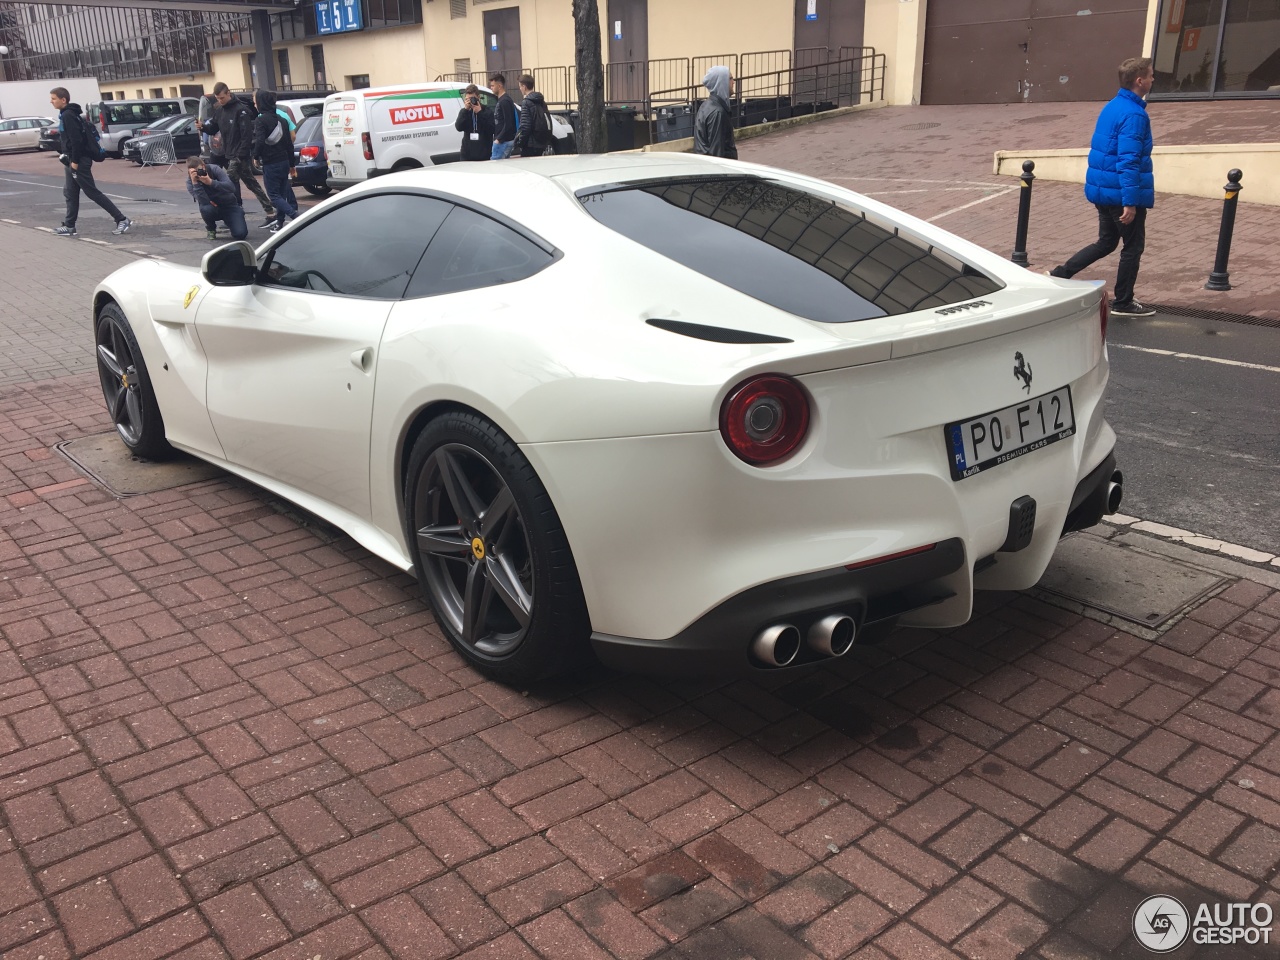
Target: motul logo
point(419, 114)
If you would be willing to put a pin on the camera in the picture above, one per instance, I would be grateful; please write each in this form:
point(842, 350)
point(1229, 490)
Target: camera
point(473, 101)
point(202, 172)
point(64, 159)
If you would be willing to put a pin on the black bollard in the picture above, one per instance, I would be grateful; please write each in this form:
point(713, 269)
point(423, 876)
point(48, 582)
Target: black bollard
point(1218, 279)
point(1024, 214)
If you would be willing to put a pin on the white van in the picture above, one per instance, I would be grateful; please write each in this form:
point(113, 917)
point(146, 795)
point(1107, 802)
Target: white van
point(381, 130)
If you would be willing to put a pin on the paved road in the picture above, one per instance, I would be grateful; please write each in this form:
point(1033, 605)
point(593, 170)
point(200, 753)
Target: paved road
point(1199, 440)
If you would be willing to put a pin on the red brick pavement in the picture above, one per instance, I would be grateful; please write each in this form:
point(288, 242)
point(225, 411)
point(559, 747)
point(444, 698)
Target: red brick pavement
point(225, 733)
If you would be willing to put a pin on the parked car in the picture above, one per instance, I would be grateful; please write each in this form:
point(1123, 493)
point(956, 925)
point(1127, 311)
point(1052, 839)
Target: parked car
point(309, 157)
point(295, 111)
point(380, 130)
point(23, 133)
point(776, 416)
point(50, 137)
point(117, 120)
point(186, 139)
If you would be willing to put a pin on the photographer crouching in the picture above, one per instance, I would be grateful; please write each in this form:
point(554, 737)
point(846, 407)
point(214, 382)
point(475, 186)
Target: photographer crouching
point(475, 122)
point(212, 189)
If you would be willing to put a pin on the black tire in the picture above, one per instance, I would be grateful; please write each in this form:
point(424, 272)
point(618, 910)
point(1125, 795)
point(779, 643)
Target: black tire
point(317, 190)
point(126, 387)
point(406, 165)
point(565, 145)
point(498, 573)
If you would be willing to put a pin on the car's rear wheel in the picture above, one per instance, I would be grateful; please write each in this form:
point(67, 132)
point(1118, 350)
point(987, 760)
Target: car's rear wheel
point(491, 554)
point(126, 386)
point(317, 189)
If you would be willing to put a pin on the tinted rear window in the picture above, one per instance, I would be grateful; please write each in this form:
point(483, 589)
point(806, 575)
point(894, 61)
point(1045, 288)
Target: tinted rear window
point(308, 130)
point(793, 250)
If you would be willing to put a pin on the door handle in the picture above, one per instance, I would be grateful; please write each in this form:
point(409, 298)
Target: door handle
point(362, 360)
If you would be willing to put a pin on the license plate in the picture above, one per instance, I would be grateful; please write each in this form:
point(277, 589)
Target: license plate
point(981, 443)
point(337, 168)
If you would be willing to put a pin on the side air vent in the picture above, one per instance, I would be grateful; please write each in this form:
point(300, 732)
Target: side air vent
point(701, 331)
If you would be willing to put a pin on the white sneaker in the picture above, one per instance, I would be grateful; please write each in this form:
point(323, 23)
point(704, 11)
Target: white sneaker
point(122, 226)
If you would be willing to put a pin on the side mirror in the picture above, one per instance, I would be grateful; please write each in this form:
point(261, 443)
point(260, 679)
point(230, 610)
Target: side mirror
point(234, 265)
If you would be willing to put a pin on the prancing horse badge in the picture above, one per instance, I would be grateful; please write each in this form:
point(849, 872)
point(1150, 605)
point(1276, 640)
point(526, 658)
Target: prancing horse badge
point(191, 295)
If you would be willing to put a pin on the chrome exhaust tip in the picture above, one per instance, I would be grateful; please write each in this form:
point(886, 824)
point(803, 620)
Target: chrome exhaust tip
point(776, 646)
point(1115, 492)
point(833, 635)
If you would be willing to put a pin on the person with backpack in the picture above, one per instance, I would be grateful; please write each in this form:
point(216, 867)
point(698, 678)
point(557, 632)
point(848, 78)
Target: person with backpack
point(535, 122)
point(273, 149)
point(233, 118)
point(505, 120)
point(80, 148)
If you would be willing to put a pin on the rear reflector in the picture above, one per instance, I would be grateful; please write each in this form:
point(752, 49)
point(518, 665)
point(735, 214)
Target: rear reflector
point(368, 146)
point(892, 556)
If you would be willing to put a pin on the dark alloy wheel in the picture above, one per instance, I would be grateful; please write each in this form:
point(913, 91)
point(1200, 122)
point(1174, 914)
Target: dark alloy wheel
point(126, 386)
point(491, 555)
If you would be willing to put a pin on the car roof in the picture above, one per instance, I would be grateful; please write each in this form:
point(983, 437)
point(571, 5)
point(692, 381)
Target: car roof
point(398, 88)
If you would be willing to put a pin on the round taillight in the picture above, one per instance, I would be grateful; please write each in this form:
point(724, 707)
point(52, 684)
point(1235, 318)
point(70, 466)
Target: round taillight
point(764, 419)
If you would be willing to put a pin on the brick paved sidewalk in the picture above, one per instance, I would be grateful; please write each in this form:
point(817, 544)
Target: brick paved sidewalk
point(226, 734)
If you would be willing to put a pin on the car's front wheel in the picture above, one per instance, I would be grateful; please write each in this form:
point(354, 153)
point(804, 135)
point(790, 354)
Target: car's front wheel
point(491, 554)
point(317, 189)
point(126, 386)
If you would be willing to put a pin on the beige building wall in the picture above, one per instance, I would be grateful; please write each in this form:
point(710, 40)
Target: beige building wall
point(678, 28)
point(896, 29)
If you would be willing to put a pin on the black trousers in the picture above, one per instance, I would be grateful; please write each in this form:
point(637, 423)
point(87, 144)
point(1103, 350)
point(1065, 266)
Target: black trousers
point(1110, 234)
point(81, 181)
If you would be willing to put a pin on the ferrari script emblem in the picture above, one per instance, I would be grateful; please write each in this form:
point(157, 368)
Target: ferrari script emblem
point(191, 295)
point(1022, 370)
point(477, 548)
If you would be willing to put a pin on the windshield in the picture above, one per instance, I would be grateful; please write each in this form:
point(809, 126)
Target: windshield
point(793, 250)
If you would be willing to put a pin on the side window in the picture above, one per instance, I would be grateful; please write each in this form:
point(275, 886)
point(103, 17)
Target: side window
point(367, 248)
point(471, 251)
point(488, 99)
point(8, 125)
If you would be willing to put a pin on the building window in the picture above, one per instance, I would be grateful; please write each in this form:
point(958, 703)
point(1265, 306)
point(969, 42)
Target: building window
point(457, 9)
point(357, 81)
point(284, 81)
point(317, 67)
point(1211, 48)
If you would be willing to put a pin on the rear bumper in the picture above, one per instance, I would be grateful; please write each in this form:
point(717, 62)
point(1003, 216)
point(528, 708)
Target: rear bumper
point(1089, 502)
point(720, 640)
point(341, 183)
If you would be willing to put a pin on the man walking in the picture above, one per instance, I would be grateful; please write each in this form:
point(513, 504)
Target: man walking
point(1121, 185)
point(234, 121)
point(504, 118)
point(215, 194)
point(79, 175)
point(713, 126)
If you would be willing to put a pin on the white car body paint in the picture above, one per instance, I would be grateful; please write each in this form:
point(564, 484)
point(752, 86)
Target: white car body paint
point(620, 419)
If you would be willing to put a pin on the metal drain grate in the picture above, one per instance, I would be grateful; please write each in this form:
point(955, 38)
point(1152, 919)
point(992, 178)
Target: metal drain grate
point(1043, 118)
point(1219, 315)
point(921, 126)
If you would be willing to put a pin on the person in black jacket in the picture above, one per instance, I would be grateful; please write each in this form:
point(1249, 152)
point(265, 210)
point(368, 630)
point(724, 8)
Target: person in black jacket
point(475, 123)
point(713, 126)
point(213, 191)
point(534, 136)
point(273, 148)
point(233, 120)
point(504, 118)
point(79, 176)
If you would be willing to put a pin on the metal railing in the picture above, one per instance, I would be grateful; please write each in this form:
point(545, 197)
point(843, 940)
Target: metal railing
point(768, 85)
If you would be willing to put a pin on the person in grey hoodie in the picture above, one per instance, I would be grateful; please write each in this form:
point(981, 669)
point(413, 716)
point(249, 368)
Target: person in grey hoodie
point(713, 126)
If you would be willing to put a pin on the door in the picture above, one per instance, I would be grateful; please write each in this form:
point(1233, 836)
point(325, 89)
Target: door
point(627, 75)
point(823, 29)
point(502, 45)
point(291, 358)
point(1027, 51)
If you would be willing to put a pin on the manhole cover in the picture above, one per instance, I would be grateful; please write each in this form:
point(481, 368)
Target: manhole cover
point(1044, 118)
point(1131, 584)
point(107, 460)
point(921, 126)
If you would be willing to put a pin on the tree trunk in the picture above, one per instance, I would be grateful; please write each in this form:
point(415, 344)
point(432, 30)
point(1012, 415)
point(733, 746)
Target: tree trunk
point(586, 31)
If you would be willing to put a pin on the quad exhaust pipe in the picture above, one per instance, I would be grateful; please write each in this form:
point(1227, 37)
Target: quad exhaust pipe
point(833, 635)
point(779, 645)
point(1115, 492)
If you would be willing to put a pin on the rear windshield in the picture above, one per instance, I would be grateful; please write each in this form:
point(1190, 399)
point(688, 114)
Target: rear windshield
point(312, 109)
point(793, 250)
point(139, 112)
point(308, 129)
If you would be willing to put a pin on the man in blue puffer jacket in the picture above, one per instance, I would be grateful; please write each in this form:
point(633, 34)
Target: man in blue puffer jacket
point(1121, 185)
